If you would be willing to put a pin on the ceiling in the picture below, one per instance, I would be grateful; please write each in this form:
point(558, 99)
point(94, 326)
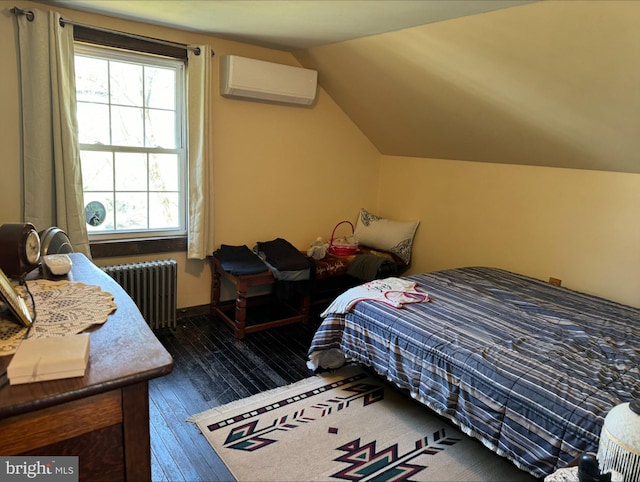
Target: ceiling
point(289, 25)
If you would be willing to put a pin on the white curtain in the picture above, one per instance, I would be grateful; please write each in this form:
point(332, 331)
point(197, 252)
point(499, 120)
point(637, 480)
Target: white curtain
point(200, 229)
point(52, 179)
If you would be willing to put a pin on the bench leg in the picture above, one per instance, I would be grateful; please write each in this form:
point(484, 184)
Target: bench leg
point(241, 310)
point(215, 291)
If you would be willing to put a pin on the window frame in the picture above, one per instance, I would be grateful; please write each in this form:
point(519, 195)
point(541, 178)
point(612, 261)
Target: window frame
point(143, 56)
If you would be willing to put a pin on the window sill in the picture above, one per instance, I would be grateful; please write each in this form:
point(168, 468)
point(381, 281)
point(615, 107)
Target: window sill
point(140, 246)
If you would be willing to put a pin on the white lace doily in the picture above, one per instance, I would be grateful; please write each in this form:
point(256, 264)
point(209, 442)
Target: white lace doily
point(11, 333)
point(62, 308)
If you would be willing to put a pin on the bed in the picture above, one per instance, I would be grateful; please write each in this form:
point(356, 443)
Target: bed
point(528, 368)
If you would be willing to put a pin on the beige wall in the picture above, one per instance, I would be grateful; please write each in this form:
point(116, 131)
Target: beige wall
point(580, 226)
point(279, 171)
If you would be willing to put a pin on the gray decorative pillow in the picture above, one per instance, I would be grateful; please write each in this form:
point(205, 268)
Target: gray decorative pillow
point(385, 234)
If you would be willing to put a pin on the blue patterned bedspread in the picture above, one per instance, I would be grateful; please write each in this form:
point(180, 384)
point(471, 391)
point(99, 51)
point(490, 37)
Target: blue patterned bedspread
point(528, 368)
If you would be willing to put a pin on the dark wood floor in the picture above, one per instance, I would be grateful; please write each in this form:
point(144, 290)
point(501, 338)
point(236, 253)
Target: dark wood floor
point(211, 368)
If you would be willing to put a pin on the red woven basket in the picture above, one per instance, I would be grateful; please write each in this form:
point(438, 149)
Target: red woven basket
point(340, 247)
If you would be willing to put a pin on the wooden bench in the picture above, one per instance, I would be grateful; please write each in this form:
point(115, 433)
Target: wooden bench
point(235, 316)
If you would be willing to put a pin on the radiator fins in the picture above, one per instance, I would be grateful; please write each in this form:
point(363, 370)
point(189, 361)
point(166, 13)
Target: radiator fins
point(153, 287)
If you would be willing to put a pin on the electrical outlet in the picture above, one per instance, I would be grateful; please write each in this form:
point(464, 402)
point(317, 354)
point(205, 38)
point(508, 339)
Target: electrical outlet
point(555, 281)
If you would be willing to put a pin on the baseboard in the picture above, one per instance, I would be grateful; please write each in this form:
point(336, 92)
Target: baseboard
point(192, 311)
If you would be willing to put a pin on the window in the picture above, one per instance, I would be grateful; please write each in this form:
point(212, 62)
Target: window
point(131, 125)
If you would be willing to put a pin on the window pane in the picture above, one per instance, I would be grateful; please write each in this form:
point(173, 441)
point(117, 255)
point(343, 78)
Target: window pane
point(164, 210)
point(131, 108)
point(127, 126)
point(131, 210)
point(93, 123)
point(91, 80)
point(97, 170)
point(160, 88)
point(126, 84)
point(163, 172)
point(131, 172)
point(161, 129)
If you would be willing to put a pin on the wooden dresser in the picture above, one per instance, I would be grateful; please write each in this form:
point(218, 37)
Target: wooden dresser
point(103, 417)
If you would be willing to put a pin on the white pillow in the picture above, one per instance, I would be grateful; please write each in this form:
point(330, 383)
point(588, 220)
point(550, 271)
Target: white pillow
point(386, 235)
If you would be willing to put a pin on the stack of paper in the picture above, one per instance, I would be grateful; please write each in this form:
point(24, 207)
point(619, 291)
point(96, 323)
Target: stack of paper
point(52, 358)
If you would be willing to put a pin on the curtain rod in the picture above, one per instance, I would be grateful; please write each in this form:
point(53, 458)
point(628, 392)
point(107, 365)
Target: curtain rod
point(30, 16)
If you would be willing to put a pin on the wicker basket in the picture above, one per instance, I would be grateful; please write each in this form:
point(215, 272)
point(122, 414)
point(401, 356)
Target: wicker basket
point(341, 247)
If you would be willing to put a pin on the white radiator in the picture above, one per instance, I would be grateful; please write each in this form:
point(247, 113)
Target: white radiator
point(153, 286)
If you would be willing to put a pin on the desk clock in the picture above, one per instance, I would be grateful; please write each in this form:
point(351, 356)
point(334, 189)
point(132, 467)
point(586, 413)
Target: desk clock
point(19, 248)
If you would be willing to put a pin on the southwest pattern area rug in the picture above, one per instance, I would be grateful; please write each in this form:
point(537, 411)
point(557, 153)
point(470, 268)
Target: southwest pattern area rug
point(345, 425)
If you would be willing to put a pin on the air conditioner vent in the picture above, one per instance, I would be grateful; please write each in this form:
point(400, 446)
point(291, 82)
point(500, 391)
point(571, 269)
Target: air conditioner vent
point(245, 78)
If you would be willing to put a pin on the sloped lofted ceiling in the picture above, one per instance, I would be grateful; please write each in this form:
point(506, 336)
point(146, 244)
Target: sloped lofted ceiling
point(289, 24)
point(550, 83)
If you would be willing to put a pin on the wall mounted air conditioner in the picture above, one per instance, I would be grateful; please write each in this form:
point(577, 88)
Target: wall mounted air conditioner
point(245, 78)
